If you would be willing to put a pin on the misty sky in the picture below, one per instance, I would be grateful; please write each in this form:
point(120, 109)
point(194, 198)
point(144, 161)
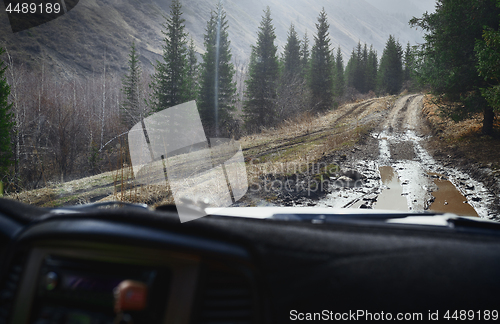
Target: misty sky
point(428, 5)
point(408, 7)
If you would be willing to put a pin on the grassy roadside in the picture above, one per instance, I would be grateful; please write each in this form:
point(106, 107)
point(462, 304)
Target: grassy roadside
point(463, 139)
point(302, 150)
point(462, 145)
point(301, 166)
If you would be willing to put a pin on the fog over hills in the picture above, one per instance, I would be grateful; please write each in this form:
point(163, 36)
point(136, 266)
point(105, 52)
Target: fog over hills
point(350, 21)
point(407, 7)
point(76, 42)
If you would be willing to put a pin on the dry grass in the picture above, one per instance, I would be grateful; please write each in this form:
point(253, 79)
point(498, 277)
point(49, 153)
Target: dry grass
point(450, 129)
point(281, 151)
point(309, 123)
point(71, 192)
point(288, 149)
point(463, 140)
point(294, 146)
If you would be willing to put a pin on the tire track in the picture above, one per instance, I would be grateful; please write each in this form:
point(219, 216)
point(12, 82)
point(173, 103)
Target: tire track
point(413, 118)
point(401, 105)
point(405, 166)
point(303, 138)
point(417, 174)
point(356, 107)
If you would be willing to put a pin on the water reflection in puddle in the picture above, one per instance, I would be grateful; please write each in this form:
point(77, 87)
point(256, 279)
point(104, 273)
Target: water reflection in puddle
point(421, 190)
point(391, 198)
point(449, 200)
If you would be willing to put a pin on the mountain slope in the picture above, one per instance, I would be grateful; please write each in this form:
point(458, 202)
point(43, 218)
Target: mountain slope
point(407, 7)
point(76, 42)
point(350, 21)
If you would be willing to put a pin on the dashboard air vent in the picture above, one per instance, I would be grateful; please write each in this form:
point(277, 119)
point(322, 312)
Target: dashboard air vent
point(226, 298)
point(9, 287)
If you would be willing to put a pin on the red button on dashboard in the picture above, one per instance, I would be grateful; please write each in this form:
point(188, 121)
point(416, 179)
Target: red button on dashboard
point(130, 296)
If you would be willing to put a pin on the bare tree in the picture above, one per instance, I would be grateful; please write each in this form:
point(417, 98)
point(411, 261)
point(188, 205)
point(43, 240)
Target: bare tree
point(293, 97)
point(63, 124)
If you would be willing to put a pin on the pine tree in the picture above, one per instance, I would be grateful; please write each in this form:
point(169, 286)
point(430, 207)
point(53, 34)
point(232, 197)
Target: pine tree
point(407, 63)
point(217, 93)
point(359, 71)
point(170, 86)
point(292, 54)
point(132, 111)
point(321, 79)
point(364, 70)
point(351, 68)
point(6, 123)
point(356, 68)
point(447, 61)
point(391, 67)
point(304, 55)
point(371, 70)
point(488, 55)
point(293, 93)
point(192, 76)
point(339, 82)
point(263, 77)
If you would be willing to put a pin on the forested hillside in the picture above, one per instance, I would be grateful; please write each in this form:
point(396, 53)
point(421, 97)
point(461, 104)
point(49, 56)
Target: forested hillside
point(111, 26)
point(66, 125)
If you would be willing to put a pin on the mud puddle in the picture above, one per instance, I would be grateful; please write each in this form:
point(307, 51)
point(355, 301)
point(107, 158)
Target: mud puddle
point(391, 197)
point(405, 177)
point(448, 199)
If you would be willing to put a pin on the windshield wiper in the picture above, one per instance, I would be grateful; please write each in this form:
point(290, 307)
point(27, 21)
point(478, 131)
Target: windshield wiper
point(419, 219)
point(325, 217)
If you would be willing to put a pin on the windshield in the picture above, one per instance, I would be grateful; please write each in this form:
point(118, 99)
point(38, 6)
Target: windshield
point(366, 104)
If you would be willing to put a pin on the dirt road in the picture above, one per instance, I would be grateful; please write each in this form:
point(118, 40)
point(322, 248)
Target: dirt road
point(379, 150)
point(400, 174)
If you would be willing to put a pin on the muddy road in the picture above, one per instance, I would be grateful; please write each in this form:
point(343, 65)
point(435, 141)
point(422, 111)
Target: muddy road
point(377, 154)
point(393, 170)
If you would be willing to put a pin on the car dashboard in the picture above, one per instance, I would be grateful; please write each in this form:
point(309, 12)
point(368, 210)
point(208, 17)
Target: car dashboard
point(66, 267)
point(64, 270)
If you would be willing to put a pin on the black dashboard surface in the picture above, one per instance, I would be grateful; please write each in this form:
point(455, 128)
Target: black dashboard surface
point(295, 267)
